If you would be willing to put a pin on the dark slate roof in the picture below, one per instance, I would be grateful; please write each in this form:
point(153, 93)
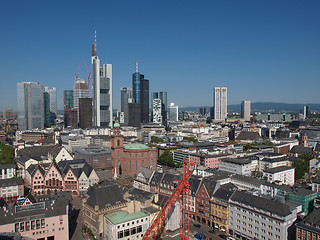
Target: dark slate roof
point(7, 166)
point(11, 182)
point(35, 151)
point(240, 161)
point(245, 135)
point(146, 172)
point(105, 194)
point(156, 178)
point(194, 184)
point(300, 149)
point(278, 169)
point(311, 222)
point(210, 185)
point(268, 205)
point(32, 169)
point(161, 201)
point(140, 195)
point(52, 208)
point(54, 163)
point(223, 194)
point(168, 178)
point(229, 186)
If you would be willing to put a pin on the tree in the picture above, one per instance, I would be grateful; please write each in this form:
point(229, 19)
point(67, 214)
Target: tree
point(192, 139)
point(167, 158)
point(302, 165)
point(155, 139)
point(120, 170)
point(6, 154)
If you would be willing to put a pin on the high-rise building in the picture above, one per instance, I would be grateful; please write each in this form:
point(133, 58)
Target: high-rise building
point(46, 109)
point(245, 110)
point(53, 98)
point(68, 98)
point(80, 90)
point(140, 94)
point(203, 111)
point(85, 113)
point(101, 91)
point(71, 118)
point(220, 103)
point(154, 95)
point(173, 112)
point(126, 94)
point(156, 111)
point(30, 105)
point(134, 114)
point(164, 106)
point(305, 112)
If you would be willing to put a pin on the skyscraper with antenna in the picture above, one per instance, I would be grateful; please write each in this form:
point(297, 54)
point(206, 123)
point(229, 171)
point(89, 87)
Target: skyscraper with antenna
point(101, 90)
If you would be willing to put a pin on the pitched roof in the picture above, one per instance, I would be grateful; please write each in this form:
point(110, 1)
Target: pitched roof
point(11, 182)
point(7, 166)
point(146, 172)
point(312, 221)
point(245, 135)
point(36, 151)
point(105, 194)
point(223, 194)
point(268, 205)
point(300, 149)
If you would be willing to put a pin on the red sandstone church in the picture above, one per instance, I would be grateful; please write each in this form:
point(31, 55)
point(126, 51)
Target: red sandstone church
point(127, 159)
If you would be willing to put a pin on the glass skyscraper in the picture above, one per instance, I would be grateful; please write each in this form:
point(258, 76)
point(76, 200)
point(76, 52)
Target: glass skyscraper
point(68, 98)
point(46, 110)
point(30, 105)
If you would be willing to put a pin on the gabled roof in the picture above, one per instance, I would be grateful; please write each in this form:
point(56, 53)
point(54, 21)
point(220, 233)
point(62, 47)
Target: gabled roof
point(210, 186)
point(194, 184)
point(156, 178)
point(146, 172)
point(32, 169)
point(54, 163)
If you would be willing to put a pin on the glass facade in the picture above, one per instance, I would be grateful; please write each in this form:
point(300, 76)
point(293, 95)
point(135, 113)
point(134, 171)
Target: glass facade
point(68, 98)
point(30, 105)
point(46, 110)
point(136, 86)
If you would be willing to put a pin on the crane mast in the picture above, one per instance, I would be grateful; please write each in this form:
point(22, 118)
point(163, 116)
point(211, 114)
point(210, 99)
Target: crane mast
point(181, 193)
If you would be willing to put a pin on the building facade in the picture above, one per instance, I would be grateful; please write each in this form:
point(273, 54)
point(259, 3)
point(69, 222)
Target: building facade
point(220, 103)
point(53, 98)
point(68, 98)
point(245, 110)
point(85, 113)
point(126, 94)
point(80, 90)
point(156, 110)
point(30, 105)
point(173, 113)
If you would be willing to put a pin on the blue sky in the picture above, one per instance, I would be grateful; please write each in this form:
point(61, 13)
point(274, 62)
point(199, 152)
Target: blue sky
point(261, 50)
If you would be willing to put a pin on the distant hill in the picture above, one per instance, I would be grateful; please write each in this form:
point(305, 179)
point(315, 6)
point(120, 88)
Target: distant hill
point(263, 106)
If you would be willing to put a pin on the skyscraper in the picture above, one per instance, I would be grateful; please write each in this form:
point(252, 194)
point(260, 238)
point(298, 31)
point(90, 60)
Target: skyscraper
point(220, 103)
point(173, 112)
point(68, 98)
point(30, 105)
point(46, 109)
point(85, 113)
point(164, 106)
point(140, 94)
point(53, 98)
point(245, 110)
point(126, 94)
point(101, 91)
point(80, 90)
point(156, 110)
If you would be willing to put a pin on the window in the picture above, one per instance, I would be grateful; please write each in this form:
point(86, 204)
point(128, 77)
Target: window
point(22, 227)
point(120, 234)
point(27, 226)
point(139, 229)
point(33, 225)
point(118, 153)
point(136, 165)
point(133, 231)
point(126, 233)
point(16, 227)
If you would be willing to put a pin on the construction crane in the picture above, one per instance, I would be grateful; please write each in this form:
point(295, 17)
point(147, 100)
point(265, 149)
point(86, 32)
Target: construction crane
point(180, 193)
point(77, 74)
point(64, 104)
point(89, 75)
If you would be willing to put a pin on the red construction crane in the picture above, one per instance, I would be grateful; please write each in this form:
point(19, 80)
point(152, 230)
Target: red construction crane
point(77, 74)
point(64, 104)
point(180, 193)
point(89, 75)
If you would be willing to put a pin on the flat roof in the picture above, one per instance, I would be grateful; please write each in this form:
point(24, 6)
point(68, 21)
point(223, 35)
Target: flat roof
point(123, 216)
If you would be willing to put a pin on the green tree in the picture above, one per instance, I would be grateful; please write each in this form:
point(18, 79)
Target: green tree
point(155, 139)
point(6, 154)
point(302, 165)
point(167, 158)
point(192, 139)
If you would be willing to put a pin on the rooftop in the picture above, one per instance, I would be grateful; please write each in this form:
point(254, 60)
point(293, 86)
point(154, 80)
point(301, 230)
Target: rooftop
point(278, 169)
point(123, 216)
point(135, 146)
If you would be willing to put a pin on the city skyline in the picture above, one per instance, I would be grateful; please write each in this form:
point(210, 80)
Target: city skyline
point(255, 49)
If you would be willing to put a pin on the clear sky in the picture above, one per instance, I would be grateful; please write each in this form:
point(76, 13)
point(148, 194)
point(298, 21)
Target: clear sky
point(261, 50)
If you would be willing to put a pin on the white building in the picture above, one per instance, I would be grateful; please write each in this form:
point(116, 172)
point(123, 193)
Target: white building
point(245, 110)
point(220, 103)
point(156, 111)
point(80, 90)
point(7, 171)
point(253, 217)
point(173, 112)
point(240, 166)
point(121, 224)
point(282, 174)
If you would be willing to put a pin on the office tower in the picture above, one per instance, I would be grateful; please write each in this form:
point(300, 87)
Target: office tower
point(101, 91)
point(203, 111)
point(71, 118)
point(46, 109)
point(154, 95)
point(30, 105)
point(68, 98)
point(164, 106)
point(173, 112)
point(305, 112)
point(80, 90)
point(85, 113)
point(156, 111)
point(144, 100)
point(140, 94)
point(53, 98)
point(134, 114)
point(220, 103)
point(126, 94)
point(245, 110)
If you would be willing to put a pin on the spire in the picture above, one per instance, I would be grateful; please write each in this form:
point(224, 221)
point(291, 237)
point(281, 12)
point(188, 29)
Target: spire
point(94, 45)
point(137, 68)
